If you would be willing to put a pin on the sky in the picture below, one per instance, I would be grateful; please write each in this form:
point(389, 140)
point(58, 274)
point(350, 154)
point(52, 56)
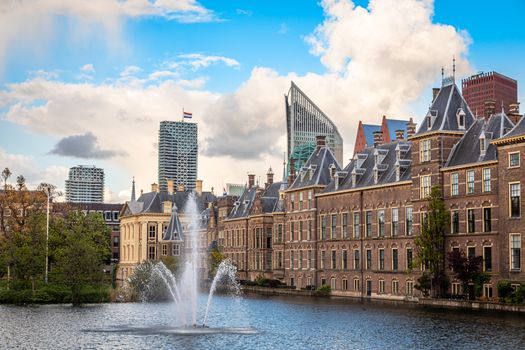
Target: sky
point(88, 82)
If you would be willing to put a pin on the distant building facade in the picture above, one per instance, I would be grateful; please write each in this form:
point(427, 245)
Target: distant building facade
point(85, 184)
point(178, 154)
point(485, 93)
point(305, 121)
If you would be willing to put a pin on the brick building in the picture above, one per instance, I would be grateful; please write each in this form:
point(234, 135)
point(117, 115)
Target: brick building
point(354, 228)
point(487, 92)
point(390, 129)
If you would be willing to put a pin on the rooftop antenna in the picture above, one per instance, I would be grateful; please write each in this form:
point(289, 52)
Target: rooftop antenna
point(442, 74)
point(454, 67)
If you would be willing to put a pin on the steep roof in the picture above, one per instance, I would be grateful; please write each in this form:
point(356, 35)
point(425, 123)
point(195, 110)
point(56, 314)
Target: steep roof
point(517, 131)
point(174, 231)
point(444, 111)
point(242, 206)
point(317, 169)
point(467, 149)
point(382, 158)
point(151, 202)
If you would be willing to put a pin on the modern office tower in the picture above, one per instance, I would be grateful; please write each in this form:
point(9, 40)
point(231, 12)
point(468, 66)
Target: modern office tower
point(305, 121)
point(85, 184)
point(178, 154)
point(486, 92)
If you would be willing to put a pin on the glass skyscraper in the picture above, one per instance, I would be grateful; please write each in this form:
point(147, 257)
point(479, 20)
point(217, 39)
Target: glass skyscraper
point(178, 153)
point(305, 121)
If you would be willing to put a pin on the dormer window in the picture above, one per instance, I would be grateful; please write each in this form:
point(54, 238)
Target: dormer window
point(354, 179)
point(461, 118)
point(376, 175)
point(332, 170)
point(482, 146)
point(398, 172)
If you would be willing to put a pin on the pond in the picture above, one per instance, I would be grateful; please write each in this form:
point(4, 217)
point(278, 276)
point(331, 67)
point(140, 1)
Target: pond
point(260, 323)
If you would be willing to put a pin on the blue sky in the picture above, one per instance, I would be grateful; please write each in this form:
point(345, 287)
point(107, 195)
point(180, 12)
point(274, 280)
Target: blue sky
point(240, 36)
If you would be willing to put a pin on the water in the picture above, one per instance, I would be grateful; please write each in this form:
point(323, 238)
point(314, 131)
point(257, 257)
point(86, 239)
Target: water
point(278, 323)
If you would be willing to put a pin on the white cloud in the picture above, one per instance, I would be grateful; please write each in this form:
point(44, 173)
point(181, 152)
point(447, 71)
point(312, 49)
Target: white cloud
point(379, 60)
point(161, 74)
point(129, 71)
point(88, 68)
point(30, 24)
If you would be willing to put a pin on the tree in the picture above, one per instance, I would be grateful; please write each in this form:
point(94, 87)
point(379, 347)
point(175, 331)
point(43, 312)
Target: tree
point(468, 271)
point(80, 245)
point(214, 259)
point(431, 240)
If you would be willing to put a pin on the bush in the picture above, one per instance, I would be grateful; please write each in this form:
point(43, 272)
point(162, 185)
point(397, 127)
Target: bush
point(324, 290)
point(504, 289)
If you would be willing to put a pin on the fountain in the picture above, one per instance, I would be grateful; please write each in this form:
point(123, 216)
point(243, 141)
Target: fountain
point(184, 290)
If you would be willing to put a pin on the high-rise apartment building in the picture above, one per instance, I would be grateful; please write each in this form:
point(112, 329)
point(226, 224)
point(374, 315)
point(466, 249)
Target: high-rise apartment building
point(85, 184)
point(178, 154)
point(486, 92)
point(305, 121)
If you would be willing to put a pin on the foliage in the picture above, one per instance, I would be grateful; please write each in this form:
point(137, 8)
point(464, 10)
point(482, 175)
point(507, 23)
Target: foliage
point(430, 242)
point(214, 259)
point(145, 285)
point(80, 246)
point(424, 284)
point(324, 290)
point(504, 289)
point(508, 295)
point(53, 294)
point(468, 271)
point(479, 279)
point(171, 263)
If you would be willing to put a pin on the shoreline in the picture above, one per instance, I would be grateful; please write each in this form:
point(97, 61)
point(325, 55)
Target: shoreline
point(425, 302)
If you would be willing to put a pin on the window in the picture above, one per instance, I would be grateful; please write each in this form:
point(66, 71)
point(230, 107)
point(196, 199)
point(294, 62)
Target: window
point(408, 219)
point(515, 251)
point(291, 202)
point(151, 252)
point(356, 259)
point(482, 145)
point(456, 288)
point(381, 222)
point(152, 232)
point(409, 258)
point(515, 194)
point(454, 184)
point(175, 249)
point(115, 216)
point(487, 226)
point(470, 181)
point(410, 287)
point(344, 284)
point(309, 199)
point(368, 224)
point(395, 287)
point(424, 155)
point(333, 264)
point(357, 219)
point(368, 259)
point(292, 229)
point(107, 216)
point(321, 260)
point(381, 259)
point(486, 179)
point(487, 290)
point(425, 186)
point(356, 284)
point(115, 241)
point(454, 221)
point(164, 249)
point(323, 227)
point(395, 263)
point(279, 233)
point(514, 159)
point(301, 201)
point(300, 262)
point(487, 259)
point(471, 221)
point(333, 232)
point(344, 225)
point(344, 262)
point(291, 260)
point(395, 221)
point(381, 286)
point(309, 230)
point(471, 252)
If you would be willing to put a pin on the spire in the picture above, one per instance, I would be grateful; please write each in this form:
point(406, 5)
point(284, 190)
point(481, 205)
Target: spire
point(133, 190)
point(454, 67)
point(284, 167)
point(442, 74)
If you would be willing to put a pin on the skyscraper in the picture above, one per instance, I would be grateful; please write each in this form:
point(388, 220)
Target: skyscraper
point(486, 92)
point(85, 184)
point(178, 154)
point(305, 121)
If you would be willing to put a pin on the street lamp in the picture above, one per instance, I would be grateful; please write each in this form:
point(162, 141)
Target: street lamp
point(50, 191)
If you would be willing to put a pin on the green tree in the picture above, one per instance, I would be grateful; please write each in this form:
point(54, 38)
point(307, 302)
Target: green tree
point(80, 245)
point(430, 242)
point(214, 259)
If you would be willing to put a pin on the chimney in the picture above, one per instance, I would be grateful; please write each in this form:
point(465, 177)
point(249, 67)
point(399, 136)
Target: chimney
point(514, 112)
point(435, 92)
point(291, 177)
point(269, 178)
point(320, 141)
point(490, 108)
point(170, 186)
point(400, 134)
point(378, 138)
point(167, 205)
point(180, 188)
point(251, 180)
point(154, 187)
point(198, 186)
point(411, 128)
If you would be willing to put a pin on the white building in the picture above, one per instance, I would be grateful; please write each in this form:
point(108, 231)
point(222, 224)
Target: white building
point(85, 184)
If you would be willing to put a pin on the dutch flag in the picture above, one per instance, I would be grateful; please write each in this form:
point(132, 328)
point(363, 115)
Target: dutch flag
point(187, 115)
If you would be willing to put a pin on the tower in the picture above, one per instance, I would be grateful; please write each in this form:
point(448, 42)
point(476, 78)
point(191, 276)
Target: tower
point(85, 184)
